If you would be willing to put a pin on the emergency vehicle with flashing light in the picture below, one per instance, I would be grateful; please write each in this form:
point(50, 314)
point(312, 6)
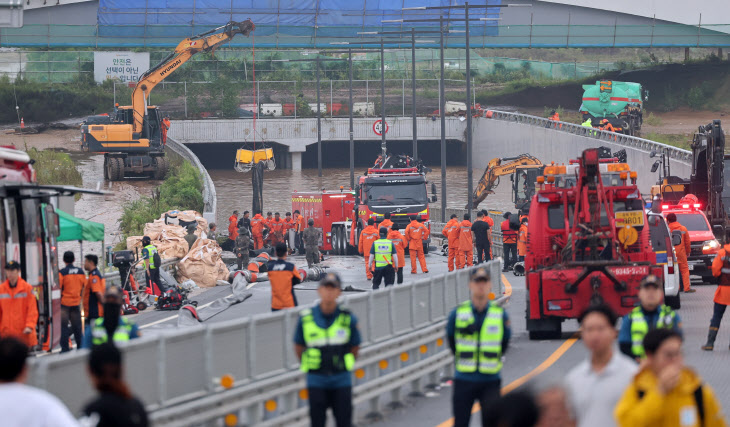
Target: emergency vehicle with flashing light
point(588, 243)
point(704, 245)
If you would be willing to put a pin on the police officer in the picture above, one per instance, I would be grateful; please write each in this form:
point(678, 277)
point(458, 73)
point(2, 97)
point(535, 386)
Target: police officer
point(383, 256)
point(311, 237)
point(650, 314)
point(327, 341)
point(243, 240)
point(151, 262)
point(478, 333)
point(113, 324)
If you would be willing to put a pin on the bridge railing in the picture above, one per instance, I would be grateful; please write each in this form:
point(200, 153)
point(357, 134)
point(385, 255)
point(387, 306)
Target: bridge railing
point(209, 195)
point(616, 138)
point(177, 372)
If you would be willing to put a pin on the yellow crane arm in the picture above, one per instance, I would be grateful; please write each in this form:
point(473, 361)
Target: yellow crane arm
point(204, 42)
point(495, 169)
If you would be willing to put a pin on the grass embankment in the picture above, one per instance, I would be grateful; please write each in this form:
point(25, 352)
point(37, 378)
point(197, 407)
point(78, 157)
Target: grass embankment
point(55, 168)
point(677, 140)
point(182, 190)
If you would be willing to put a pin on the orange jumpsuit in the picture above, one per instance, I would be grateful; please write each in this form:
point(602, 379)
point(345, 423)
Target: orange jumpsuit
point(399, 241)
point(466, 245)
point(165, 128)
point(367, 237)
point(722, 293)
point(232, 227)
point(277, 231)
point(453, 239)
point(386, 223)
point(522, 241)
point(18, 310)
point(257, 231)
point(683, 249)
point(415, 234)
point(488, 219)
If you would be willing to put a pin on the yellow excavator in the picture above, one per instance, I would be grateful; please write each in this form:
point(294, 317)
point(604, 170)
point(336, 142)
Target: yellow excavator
point(131, 139)
point(497, 167)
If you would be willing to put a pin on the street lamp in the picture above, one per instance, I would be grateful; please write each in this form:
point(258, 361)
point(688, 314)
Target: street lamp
point(466, 20)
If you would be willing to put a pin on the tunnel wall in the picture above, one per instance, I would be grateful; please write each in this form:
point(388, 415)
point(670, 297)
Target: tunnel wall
point(509, 134)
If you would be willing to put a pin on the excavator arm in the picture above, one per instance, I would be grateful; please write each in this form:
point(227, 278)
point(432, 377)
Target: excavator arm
point(499, 167)
point(204, 42)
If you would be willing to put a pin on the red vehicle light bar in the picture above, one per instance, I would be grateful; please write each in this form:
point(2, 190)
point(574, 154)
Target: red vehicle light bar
point(683, 206)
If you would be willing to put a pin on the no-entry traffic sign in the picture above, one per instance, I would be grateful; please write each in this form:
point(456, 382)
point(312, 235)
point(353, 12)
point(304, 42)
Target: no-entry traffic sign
point(378, 127)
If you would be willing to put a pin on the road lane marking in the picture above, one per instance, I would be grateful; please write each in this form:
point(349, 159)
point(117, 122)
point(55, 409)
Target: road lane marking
point(157, 322)
point(557, 354)
point(507, 286)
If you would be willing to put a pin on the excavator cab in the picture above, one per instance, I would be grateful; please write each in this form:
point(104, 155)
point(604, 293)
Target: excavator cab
point(523, 187)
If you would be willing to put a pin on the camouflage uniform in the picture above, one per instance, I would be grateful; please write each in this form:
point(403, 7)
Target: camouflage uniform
point(311, 245)
point(242, 247)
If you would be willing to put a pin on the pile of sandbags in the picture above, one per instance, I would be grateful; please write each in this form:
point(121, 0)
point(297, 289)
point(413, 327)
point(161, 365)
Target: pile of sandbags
point(203, 264)
point(184, 218)
point(169, 239)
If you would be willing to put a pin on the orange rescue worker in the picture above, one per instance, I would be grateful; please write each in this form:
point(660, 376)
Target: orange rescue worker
point(683, 249)
point(721, 269)
point(509, 243)
point(18, 307)
point(607, 126)
point(453, 239)
point(466, 243)
point(367, 237)
point(299, 229)
point(257, 230)
point(277, 230)
point(522, 241)
point(387, 223)
point(94, 290)
point(165, 127)
point(399, 241)
point(233, 226)
point(416, 234)
point(554, 117)
point(283, 276)
point(72, 280)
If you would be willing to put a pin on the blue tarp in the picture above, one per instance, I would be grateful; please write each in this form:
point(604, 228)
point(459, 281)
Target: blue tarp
point(280, 22)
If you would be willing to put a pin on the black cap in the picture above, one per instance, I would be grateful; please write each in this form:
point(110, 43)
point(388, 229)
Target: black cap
point(146, 239)
point(383, 231)
point(331, 279)
point(479, 273)
point(650, 280)
point(12, 265)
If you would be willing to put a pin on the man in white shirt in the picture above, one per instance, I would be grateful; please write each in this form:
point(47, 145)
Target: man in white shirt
point(597, 383)
point(22, 405)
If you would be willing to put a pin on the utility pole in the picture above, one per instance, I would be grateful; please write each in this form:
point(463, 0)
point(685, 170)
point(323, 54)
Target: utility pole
point(352, 136)
point(413, 92)
point(469, 151)
point(442, 114)
point(383, 127)
point(319, 128)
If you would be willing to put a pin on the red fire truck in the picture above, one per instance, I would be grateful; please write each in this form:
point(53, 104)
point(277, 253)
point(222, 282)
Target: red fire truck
point(587, 243)
point(28, 235)
point(396, 185)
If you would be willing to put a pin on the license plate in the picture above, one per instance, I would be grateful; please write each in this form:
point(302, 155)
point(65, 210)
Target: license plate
point(691, 267)
point(631, 218)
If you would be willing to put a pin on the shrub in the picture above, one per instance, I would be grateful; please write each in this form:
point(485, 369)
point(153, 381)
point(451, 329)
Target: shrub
point(696, 98)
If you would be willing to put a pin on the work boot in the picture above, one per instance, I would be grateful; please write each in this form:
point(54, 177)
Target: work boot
point(690, 291)
point(711, 335)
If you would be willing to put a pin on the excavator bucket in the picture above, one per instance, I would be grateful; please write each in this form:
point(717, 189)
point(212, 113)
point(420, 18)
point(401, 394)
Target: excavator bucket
point(244, 27)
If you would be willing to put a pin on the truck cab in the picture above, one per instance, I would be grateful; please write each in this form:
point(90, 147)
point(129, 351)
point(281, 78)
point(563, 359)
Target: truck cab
point(704, 245)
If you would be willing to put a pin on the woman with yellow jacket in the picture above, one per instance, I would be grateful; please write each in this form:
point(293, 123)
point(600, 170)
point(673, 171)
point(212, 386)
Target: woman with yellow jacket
point(665, 392)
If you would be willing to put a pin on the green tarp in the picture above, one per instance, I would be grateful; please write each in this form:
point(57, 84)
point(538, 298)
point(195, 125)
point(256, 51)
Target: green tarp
point(73, 228)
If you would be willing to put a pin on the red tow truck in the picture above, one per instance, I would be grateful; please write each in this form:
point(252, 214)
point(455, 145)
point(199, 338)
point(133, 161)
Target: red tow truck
point(395, 185)
point(587, 243)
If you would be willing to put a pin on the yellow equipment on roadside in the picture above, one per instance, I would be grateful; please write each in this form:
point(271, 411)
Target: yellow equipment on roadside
point(246, 159)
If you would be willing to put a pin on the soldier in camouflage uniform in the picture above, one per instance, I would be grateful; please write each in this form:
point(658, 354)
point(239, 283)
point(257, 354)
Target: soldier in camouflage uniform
point(311, 243)
point(242, 246)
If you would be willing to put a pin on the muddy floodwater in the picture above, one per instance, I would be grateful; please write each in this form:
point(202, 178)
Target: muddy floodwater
point(234, 188)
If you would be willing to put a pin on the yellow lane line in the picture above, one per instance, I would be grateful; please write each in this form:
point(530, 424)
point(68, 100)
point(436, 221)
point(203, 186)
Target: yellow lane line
point(507, 286)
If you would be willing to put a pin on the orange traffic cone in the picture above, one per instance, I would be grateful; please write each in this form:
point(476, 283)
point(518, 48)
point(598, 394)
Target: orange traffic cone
point(22, 123)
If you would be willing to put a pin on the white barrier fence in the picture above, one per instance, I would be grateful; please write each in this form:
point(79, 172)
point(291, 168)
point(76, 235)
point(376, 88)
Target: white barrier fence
point(177, 372)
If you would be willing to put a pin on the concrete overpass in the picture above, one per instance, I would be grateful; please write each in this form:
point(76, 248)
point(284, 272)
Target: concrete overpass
point(297, 134)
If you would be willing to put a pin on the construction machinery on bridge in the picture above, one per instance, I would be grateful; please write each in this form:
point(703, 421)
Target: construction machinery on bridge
point(132, 142)
point(523, 170)
point(621, 103)
point(587, 243)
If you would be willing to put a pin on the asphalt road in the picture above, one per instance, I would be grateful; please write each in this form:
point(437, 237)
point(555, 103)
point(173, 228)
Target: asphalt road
point(525, 359)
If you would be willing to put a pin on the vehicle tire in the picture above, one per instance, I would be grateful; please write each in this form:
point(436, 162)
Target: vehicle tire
point(141, 306)
point(116, 169)
point(106, 169)
point(673, 301)
point(336, 240)
point(161, 167)
point(342, 239)
point(425, 248)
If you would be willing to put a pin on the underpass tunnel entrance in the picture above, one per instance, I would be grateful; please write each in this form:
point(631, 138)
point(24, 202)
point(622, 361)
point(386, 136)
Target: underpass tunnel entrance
point(336, 154)
point(223, 155)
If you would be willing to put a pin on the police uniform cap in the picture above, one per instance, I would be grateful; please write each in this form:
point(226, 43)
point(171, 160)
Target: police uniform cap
point(479, 273)
point(650, 280)
point(331, 279)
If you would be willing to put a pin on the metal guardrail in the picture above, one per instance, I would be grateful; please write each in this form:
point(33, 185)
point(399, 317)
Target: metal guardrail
point(177, 372)
point(209, 195)
point(112, 276)
point(616, 138)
